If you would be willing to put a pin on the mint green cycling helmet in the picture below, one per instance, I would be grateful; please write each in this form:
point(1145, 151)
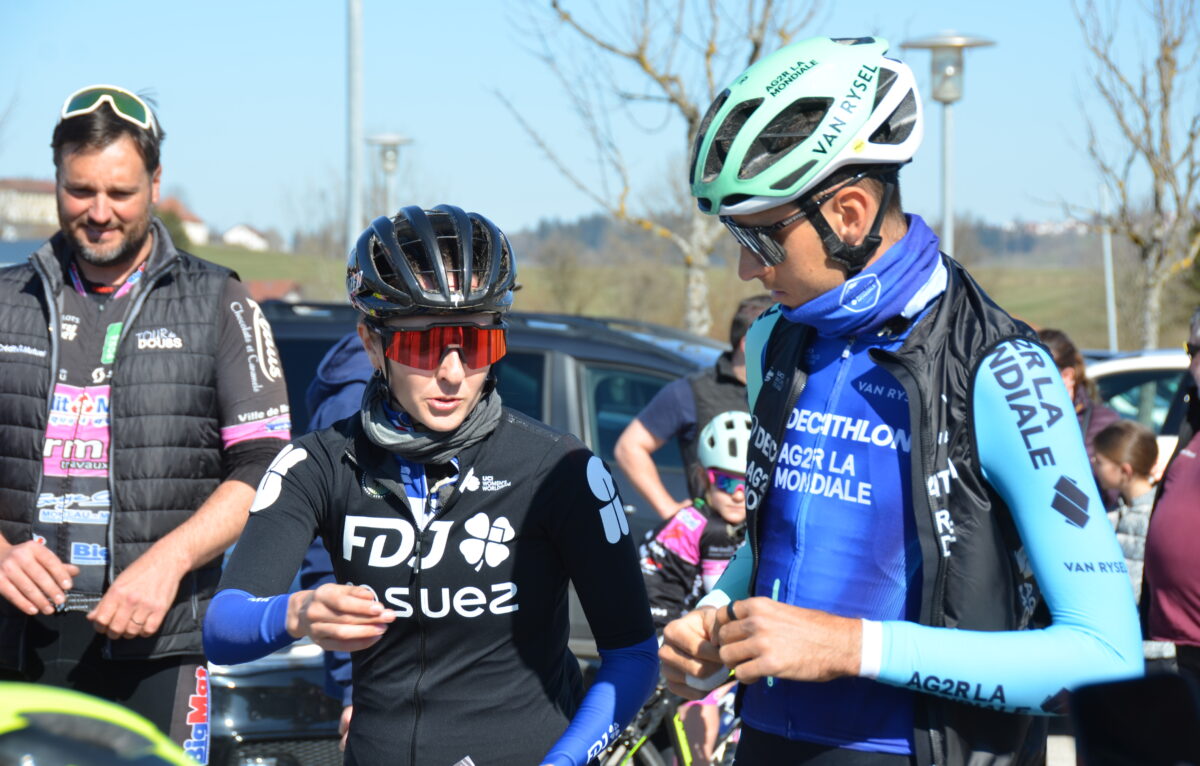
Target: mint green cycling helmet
point(797, 116)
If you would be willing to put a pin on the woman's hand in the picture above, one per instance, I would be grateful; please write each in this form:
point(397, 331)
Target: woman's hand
point(342, 618)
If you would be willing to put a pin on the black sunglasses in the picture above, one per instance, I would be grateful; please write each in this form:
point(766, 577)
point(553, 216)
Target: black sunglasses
point(761, 240)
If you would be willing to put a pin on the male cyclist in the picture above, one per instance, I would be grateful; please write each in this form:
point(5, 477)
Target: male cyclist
point(455, 527)
point(916, 486)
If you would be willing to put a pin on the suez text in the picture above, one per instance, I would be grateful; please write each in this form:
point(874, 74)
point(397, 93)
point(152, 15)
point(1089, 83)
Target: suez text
point(394, 544)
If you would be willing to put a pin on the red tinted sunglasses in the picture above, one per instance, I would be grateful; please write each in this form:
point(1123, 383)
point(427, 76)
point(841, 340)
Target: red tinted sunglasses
point(424, 348)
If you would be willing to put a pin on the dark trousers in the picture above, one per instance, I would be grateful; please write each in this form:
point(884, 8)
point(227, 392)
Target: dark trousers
point(65, 650)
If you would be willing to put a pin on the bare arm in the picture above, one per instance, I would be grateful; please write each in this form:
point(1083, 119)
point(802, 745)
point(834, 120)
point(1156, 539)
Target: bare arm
point(135, 603)
point(633, 453)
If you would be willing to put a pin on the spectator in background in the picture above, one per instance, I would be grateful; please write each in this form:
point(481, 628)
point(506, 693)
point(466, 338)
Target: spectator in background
point(141, 400)
point(680, 409)
point(1126, 452)
point(1093, 416)
point(1171, 599)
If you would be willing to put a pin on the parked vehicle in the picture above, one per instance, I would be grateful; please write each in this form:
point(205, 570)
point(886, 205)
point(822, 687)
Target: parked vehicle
point(589, 377)
point(1146, 387)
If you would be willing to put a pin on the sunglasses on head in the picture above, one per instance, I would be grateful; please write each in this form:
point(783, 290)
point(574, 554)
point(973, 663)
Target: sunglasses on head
point(762, 240)
point(728, 483)
point(425, 347)
point(124, 104)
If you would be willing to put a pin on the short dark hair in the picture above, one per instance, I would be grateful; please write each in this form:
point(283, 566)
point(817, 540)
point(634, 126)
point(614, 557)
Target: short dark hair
point(747, 311)
point(1127, 441)
point(877, 176)
point(100, 127)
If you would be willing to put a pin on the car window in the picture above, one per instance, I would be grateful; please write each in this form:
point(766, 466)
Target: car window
point(1141, 395)
point(615, 396)
point(520, 376)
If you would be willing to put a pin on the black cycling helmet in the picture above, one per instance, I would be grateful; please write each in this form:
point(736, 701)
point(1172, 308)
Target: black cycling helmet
point(438, 261)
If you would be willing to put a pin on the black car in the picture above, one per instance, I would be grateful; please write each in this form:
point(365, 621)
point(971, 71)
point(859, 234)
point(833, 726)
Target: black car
point(587, 376)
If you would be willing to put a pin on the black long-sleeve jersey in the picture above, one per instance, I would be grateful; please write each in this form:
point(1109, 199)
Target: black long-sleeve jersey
point(476, 665)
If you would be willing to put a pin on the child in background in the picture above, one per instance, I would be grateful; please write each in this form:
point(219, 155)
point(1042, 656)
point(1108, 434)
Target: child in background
point(1125, 454)
point(686, 554)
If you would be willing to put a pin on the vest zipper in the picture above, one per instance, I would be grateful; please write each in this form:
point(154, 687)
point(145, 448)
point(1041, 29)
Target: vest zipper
point(53, 306)
point(822, 436)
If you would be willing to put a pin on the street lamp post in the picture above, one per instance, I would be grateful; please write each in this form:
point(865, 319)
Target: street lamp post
point(946, 58)
point(389, 154)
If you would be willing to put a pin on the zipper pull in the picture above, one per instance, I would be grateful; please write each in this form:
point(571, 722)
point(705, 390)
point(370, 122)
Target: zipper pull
point(846, 350)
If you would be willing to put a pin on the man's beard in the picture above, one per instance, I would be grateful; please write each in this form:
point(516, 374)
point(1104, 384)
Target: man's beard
point(124, 254)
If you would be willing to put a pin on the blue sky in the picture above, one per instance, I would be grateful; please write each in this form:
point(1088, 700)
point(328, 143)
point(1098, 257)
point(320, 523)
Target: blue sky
point(252, 96)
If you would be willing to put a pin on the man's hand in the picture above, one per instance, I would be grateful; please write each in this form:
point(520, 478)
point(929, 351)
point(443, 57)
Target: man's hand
point(344, 726)
point(688, 649)
point(33, 578)
point(135, 604)
point(759, 637)
point(342, 618)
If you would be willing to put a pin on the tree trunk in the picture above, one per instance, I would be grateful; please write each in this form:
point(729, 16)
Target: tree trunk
point(697, 317)
point(1153, 302)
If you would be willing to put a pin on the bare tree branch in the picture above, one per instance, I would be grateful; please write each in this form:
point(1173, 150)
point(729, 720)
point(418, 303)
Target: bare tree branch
point(680, 54)
point(1156, 176)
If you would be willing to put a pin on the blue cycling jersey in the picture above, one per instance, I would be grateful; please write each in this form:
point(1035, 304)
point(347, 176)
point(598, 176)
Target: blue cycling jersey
point(836, 530)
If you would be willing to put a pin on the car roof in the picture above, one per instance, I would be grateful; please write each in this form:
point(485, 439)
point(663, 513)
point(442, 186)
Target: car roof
point(605, 338)
point(1156, 359)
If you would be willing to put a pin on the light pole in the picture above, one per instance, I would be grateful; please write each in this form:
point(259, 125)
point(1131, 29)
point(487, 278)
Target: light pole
point(946, 58)
point(389, 154)
point(354, 148)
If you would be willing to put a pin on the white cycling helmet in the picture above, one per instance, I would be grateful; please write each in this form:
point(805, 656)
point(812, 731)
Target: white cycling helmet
point(724, 440)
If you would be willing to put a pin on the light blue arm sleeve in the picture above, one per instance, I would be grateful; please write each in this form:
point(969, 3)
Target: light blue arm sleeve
point(734, 582)
point(1032, 453)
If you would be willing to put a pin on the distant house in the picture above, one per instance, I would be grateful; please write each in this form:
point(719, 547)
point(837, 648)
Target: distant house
point(275, 290)
point(28, 205)
point(249, 238)
point(193, 225)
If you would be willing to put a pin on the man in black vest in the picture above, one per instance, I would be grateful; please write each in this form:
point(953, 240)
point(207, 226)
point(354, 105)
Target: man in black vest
point(680, 408)
point(141, 401)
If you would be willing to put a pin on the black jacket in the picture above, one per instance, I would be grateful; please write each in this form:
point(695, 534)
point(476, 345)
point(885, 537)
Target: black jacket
point(476, 663)
point(166, 453)
point(982, 585)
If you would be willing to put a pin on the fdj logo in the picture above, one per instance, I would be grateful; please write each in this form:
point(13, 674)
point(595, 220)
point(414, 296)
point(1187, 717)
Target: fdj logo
point(488, 541)
point(394, 542)
point(612, 513)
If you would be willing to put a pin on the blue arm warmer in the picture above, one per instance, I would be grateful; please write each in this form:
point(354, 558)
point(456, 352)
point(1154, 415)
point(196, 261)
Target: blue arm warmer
point(240, 627)
point(624, 681)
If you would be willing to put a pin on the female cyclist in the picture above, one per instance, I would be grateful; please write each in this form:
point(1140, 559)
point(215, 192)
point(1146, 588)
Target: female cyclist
point(455, 527)
point(686, 555)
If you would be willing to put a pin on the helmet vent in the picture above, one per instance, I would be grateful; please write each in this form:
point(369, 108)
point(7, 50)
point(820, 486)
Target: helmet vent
point(726, 135)
point(702, 131)
point(789, 128)
point(899, 125)
point(886, 78)
point(790, 179)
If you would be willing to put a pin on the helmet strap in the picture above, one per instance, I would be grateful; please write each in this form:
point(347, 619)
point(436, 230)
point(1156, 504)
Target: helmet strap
point(851, 257)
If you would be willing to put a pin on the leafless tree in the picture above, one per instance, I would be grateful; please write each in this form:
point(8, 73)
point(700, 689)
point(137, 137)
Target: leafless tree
point(1152, 168)
point(679, 53)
